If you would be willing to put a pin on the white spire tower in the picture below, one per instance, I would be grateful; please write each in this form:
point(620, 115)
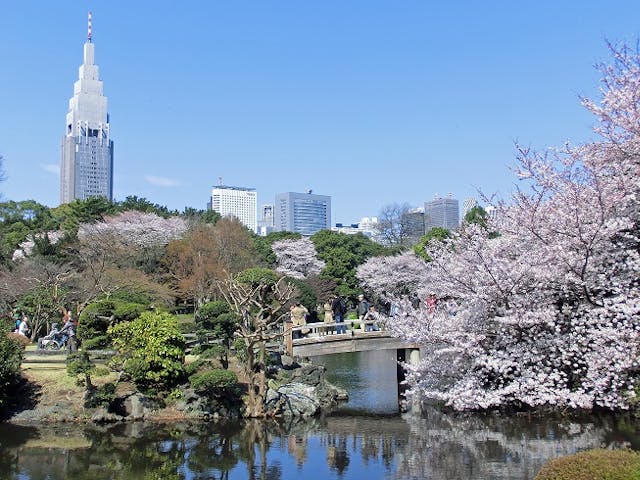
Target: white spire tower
point(87, 149)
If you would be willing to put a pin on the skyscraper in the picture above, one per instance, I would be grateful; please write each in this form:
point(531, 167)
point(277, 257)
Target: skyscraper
point(442, 212)
point(87, 149)
point(236, 202)
point(304, 213)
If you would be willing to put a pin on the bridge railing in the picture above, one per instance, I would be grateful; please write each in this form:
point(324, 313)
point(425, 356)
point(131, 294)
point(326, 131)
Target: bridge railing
point(348, 328)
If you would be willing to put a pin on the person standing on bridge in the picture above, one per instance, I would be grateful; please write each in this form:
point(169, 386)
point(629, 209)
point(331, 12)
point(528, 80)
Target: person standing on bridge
point(363, 307)
point(299, 318)
point(339, 308)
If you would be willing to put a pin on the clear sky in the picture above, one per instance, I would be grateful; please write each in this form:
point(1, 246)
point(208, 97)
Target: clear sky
point(368, 101)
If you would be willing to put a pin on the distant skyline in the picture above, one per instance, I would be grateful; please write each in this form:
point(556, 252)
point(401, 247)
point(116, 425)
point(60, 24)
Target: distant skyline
point(369, 102)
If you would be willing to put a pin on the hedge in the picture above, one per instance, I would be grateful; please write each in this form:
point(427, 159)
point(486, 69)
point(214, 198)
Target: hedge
point(594, 465)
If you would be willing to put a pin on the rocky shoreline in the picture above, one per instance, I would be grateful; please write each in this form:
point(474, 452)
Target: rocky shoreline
point(296, 391)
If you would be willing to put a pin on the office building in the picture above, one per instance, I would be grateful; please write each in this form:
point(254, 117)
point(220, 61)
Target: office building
point(413, 225)
point(304, 213)
point(265, 223)
point(238, 202)
point(86, 168)
point(367, 226)
point(442, 212)
point(469, 204)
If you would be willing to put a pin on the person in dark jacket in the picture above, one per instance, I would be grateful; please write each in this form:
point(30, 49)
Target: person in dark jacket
point(339, 308)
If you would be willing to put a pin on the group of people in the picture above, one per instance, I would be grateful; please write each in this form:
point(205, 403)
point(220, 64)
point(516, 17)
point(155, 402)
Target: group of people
point(22, 325)
point(335, 311)
point(68, 330)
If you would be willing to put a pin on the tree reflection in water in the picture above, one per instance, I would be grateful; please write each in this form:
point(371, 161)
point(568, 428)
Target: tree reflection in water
point(434, 446)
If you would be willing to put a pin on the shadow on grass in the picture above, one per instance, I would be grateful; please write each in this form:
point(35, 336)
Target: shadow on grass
point(23, 396)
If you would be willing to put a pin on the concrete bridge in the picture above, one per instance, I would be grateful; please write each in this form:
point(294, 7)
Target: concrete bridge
point(316, 339)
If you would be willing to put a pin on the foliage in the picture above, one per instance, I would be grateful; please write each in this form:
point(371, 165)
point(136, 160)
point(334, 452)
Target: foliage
point(70, 216)
point(548, 313)
point(217, 382)
point(256, 277)
point(79, 363)
point(476, 215)
point(205, 255)
point(134, 229)
point(240, 349)
point(217, 318)
point(194, 216)
point(96, 318)
point(141, 204)
point(18, 220)
point(393, 276)
point(101, 396)
point(305, 294)
point(10, 359)
point(151, 349)
point(436, 234)
point(342, 254)
point(41, 304)
point(263, 248)
point(297, 258)
point(593, 464)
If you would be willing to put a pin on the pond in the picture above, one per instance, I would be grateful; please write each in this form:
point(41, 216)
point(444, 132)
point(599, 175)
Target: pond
point(366, 438)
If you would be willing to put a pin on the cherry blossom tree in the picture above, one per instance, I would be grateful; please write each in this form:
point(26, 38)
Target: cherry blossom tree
point(548, 312)
point(297, 258)
point(136, 228)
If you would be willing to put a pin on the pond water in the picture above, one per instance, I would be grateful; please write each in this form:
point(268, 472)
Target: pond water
point(366, 438)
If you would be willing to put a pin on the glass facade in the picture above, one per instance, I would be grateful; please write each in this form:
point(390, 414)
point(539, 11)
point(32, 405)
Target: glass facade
point(304, 213)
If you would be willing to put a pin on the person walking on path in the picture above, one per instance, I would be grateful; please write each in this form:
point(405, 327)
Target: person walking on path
point(23, 329)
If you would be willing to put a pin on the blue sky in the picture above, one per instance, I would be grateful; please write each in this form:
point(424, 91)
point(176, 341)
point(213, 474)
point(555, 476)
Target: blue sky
point(369, 101)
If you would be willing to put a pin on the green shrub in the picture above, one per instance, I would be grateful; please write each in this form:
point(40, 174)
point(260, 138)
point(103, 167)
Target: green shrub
point(216, 382)
point(79, 363)
point(212, 310)
point(241, 350)
point(96, 318)
point(151, 350)
point(101, 396)
point(127, 311)
point(186, 327)
point(593, 465)
point(96, 343)
point(10, 359)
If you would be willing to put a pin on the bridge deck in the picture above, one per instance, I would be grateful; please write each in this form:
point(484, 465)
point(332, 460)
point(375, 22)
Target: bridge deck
point(322, 340)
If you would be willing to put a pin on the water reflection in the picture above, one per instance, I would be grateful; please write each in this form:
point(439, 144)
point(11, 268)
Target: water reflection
point(369, 377)
point(436, 446)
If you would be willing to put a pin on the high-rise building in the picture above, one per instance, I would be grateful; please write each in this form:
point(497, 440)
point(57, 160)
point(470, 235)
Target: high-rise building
point(304, 213)
point(468, 204)
point(87, 149)
point(413, 224)
point(265, 221)
point(238, 202)
point(442, 212)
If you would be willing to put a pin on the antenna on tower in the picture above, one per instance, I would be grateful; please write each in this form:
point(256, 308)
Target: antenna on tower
point(89, 27)
point(220, 181)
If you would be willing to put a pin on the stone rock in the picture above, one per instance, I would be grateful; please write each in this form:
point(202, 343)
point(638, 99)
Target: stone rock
point(101, 415)
point(288, 362)
point(132, 406)
point(309, 374)
point(293, 399)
